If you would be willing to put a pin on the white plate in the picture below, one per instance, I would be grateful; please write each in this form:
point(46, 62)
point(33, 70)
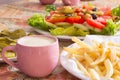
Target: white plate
point(62, 37)
point(70, 63)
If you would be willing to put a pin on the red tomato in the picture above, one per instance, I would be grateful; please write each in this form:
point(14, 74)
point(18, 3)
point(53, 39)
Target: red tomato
point(101, 20)
point(77, 10)
point(95, 23)
point(107, 17)
point(107, 11)
point(70, 20)
point(80, 14)
point(52, 12)
point(55, 20)
point(76, 19)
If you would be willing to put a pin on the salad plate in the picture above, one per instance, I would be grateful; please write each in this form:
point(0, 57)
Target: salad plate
point(68, 21)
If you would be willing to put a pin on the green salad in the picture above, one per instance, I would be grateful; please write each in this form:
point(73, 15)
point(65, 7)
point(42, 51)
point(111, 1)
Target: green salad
point(78, 21)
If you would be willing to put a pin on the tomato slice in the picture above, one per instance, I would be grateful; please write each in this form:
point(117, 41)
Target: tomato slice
point(55, 18)
point(76, 19)
point(107, 11)
point(107, 17)
point(101, 20)
point(51, 20)
point(95, 23)
point(77, 10)
point(70, 20)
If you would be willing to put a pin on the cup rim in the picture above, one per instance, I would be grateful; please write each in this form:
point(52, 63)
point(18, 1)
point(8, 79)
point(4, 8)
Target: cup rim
point(49, 36)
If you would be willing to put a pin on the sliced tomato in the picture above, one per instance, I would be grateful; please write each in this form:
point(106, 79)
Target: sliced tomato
point(70, 20)
point(81, 14)
point(52, 12)
point(95, 23)
point(56, 18)
point(76, 19)
point(107, 11)
point(107, 17)
point(52, 20)
point(101, 20)
point(77, 10)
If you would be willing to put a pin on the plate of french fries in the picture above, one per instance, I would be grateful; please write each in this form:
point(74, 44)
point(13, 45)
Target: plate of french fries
point(94, 58)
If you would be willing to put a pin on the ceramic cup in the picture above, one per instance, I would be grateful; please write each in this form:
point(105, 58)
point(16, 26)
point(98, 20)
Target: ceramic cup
point(37, 55)
point(71, 2)
point(45, 2)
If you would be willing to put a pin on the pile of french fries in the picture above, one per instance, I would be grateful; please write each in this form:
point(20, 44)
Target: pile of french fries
point(101, 59)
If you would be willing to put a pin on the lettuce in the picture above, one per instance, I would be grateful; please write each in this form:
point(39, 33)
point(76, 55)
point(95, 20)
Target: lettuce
point(49, 8)
point(110, 28)
point(37, 21)
point(116, 11)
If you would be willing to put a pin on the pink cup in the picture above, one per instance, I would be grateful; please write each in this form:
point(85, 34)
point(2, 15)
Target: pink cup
point(35, 59)
point(45, 2)
point(71, 2)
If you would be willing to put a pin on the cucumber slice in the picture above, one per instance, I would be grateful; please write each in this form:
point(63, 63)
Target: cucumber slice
point(63, 24)
point(97, 30)
point(50, 25)
point(81, 26)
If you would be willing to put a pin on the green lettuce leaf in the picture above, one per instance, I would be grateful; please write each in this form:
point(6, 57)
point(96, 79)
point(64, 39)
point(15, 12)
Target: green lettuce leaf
point(110, 28)
point(49, 8)
point(116, 11)
point(37, 21)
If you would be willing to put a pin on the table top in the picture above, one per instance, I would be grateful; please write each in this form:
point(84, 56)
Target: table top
point(18, 13)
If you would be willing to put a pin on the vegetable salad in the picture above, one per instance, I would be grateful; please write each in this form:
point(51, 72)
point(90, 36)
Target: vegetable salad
point(78, 20)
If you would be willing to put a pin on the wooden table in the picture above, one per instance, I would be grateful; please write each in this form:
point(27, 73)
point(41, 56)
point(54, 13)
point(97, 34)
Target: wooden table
point(17, 13)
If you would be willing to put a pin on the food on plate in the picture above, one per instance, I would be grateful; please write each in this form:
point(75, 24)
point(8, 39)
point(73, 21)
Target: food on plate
point(9, 38)
point(78, 20)
point(99, 61)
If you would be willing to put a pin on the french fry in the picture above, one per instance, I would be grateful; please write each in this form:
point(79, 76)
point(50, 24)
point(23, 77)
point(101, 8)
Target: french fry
point(98, 70)
point(113, 54)
point(88, 59)
point(78, 57)
point(83, 69)
point(113, 44)
point(81, 43)
point(116, 77)
point(99, 60)
point(102, 59)
point(109, 68)
point(117, 72)
point(94, 74)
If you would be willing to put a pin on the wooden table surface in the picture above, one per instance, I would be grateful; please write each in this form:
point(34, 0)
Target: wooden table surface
point(17, 13)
